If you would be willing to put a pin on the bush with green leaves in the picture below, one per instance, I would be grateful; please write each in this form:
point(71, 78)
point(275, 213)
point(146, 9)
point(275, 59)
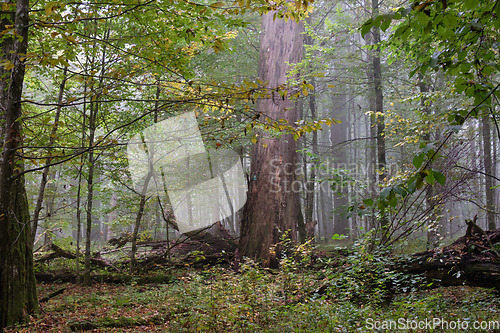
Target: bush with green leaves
point(367, 275)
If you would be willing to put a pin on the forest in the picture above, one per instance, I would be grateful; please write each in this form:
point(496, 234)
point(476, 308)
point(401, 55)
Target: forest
point(250, 166)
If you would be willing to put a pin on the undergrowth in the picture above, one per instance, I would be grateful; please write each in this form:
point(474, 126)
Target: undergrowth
point(353, 293)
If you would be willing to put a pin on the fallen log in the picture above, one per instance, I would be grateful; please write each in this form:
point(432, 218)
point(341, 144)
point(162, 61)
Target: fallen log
point(52, 295)
point(472, 260)
point(57, 252)
point(210, 246)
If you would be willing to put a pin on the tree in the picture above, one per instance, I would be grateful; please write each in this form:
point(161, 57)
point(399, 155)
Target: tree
point(18, 296)
point(272, 207)
point(59, 27)
point(378, 108)
point(488, 170)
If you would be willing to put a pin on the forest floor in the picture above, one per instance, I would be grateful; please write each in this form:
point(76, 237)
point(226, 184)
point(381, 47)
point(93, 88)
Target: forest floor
point(338, 289)
point(256, 300)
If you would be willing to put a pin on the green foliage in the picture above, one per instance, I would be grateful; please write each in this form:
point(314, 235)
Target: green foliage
point(457, 37)
point(217, 300)
point(366, 276)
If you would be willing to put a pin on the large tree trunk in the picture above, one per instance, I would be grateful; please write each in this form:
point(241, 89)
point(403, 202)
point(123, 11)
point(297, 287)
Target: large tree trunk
point(272, 206)
point(17, 280)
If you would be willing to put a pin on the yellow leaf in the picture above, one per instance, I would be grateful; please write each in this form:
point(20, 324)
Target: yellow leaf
point(217, 5)
point(49, 8)
point(7, 65)
point(69, 39)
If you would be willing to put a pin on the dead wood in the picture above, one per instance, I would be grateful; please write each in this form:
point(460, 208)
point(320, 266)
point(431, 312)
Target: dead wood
point(472, 260)
point(210, 246)
point(52, 295)
point(57, 252)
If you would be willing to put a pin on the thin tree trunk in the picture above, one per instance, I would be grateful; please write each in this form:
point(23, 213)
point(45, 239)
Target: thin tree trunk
point(50, 203)
point(79, 190)
point(94, 111)
point(372, 155)
point(79, 220)
point(137, 224)
point(488, 170)
point(433, 227)
point(90, 192)
point(379, 113)
point(310, 186)
point(52, 140)
point(339, 135)
point(142, 203)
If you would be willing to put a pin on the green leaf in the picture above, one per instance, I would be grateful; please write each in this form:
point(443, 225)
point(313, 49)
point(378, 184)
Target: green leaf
point(422, 18)
point(386, 24)
point(365, 28)
point(399, 190)
point(419, 182)
point(430, 178)
point(412, 186)
point(418, 160)
point(440, 178)
point(385, 192)
point(393, 200)
point(368, 202)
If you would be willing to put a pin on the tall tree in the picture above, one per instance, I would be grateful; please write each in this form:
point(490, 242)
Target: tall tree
point(434, 227)
point(46, 170)
point(377, 102)
point(272, 207)
point(338, 136)
point(17, 280)
point(489, 173)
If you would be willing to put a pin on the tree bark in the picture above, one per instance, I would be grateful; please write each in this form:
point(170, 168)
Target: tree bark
point(379, 112)
point(272, 206)
point(18, 296)
point(337, 136)
point(434, 227)
point(311, 179)
point(90, 193)
point(137, 224)
point(488, 170)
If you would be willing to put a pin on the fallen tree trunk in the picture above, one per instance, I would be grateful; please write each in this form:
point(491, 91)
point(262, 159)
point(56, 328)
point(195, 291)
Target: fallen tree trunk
point(198, 248)
point(57, 252)
point(472, 260)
